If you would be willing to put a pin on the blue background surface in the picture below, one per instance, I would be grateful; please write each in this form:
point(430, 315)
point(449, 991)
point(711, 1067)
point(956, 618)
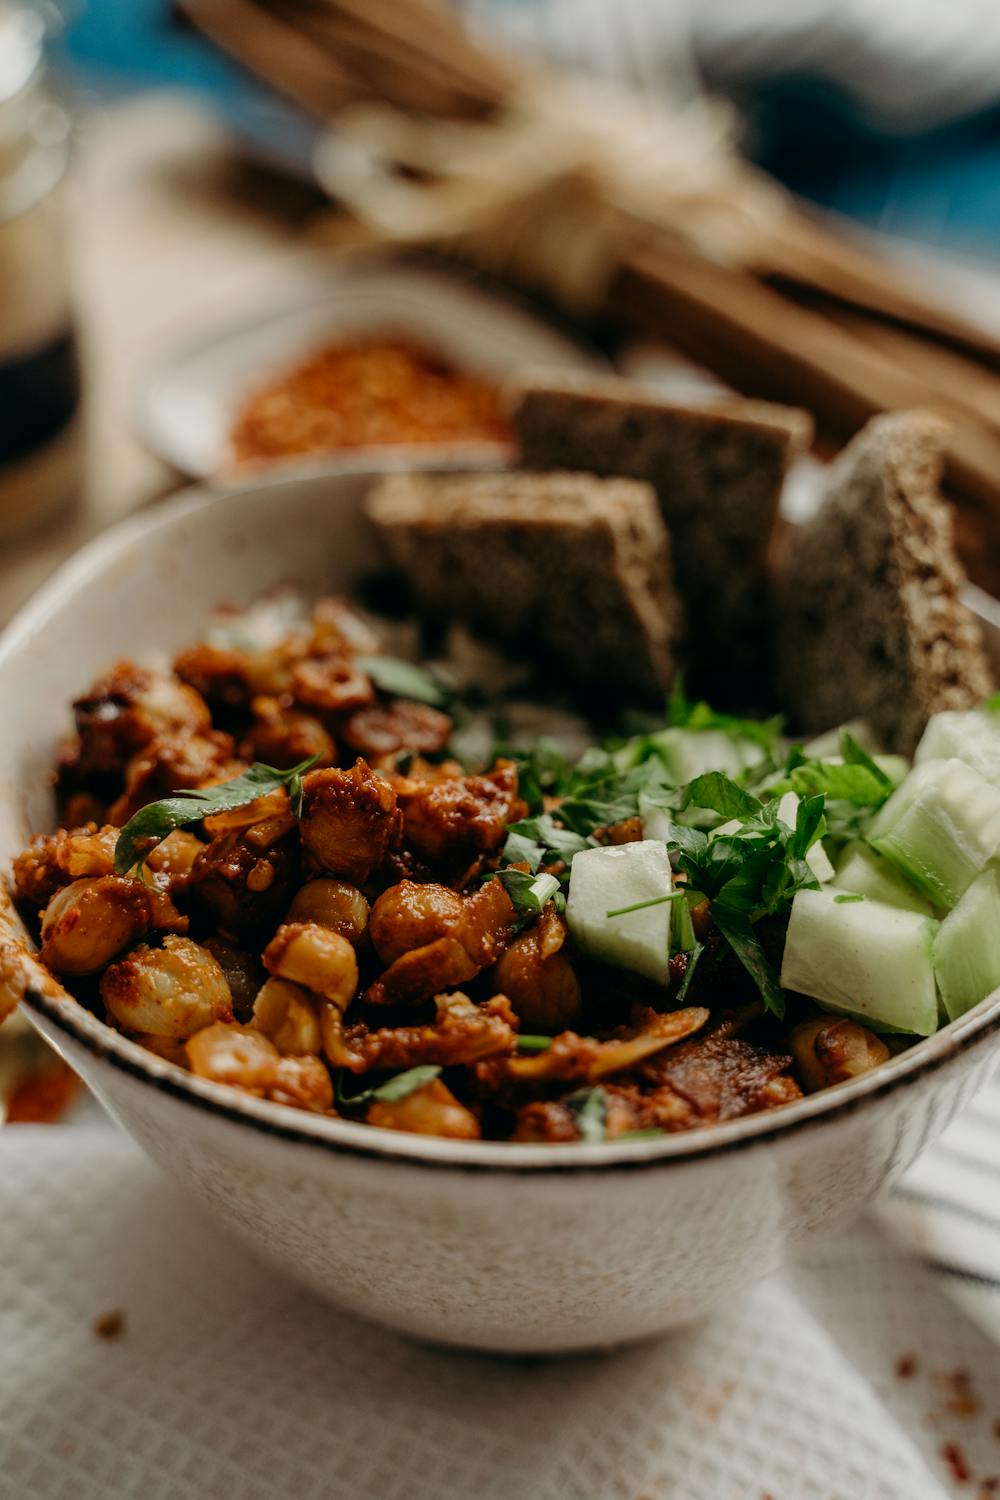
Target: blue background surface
point(943, 187)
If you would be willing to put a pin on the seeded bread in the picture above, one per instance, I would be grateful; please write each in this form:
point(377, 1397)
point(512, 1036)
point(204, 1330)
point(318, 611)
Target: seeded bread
point(717, 471)
point(869, 619)
point(567, 566)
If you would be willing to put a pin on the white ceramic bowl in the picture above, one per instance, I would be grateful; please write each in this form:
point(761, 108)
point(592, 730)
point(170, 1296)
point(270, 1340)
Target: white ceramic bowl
point(482, 1244)
point(187, 405)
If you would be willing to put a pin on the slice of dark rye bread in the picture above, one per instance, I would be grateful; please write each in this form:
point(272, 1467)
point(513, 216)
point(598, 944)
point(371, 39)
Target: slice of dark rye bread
point(568, 566)
point(869, 620)
point(717, 470)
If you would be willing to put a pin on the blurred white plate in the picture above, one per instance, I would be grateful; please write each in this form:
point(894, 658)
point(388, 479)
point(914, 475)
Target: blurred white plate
point(188, 403)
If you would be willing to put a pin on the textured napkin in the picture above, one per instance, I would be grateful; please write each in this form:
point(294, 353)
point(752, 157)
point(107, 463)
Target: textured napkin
point(853, 1376)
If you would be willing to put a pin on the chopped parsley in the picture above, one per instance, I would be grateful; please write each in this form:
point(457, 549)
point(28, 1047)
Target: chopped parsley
point(399, 1086)
point(403, 679)
point(591, 1109)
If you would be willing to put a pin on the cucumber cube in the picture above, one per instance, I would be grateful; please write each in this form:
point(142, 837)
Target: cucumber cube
point(688, 753)
point(657, 823)
point(608, 879)
point(940, 828)
point(828, 744)
point(972, 736)
point(862, 870)
point(967, 947)
point(863, 959)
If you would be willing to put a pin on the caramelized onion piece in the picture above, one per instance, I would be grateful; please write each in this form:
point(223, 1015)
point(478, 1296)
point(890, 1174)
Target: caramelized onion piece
point(572, 1057)
point(831, 1049)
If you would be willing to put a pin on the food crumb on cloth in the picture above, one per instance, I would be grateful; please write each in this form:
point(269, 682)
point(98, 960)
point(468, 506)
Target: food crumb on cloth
point(110, 1325)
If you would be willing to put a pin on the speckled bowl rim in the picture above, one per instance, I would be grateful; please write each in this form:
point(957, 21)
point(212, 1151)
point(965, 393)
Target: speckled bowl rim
point(45, 1000)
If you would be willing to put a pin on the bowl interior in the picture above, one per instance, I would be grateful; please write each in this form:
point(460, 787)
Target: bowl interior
point(144, 589)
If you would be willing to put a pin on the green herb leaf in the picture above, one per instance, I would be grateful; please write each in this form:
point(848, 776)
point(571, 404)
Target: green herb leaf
point(403, 679)
point(152, 823)
point(528, 1043)
point(809, 825)
point(721, 794)
point(591, 1109)
point(737, 928)
point(405, 1084)
point(650, 1133)
point(623, 911)
point(847, 896)
point(561, 841)
point(682, 714)
point(992, 704)
point(845, 783)
point(855, 755)
point(692, 963)
point(400, 1086)
point(529, 893)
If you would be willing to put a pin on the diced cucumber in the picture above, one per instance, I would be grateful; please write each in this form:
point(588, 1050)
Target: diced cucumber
point(967, 947)
point(972, 736)
point(940, 828)
point(688, 753)
point(657, 823)
point(816, 856)
point(862, 870)
point(863, 959)
point(610, 879)
point(828, 744)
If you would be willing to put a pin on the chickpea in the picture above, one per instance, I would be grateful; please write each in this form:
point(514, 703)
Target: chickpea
point(233, 1054)
point(244, 1059)
point(349, 820)
point(538, 978)
point(171, 991)
point(831, 1049)
point(284, 1013)
point(87, 923)
point(302, 1083)
point(409, 916)
point(333, 904)
point(316, 958)
point(430, 1110)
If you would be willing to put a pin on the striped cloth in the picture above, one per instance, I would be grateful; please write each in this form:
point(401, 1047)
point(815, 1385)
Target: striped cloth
point(947, 1209)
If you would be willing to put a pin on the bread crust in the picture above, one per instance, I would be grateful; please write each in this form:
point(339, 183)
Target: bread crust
point(869, 620)
point(567, 566)
point(718, 471)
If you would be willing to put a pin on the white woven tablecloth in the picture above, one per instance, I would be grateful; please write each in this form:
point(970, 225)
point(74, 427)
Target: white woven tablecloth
point(230, 1382)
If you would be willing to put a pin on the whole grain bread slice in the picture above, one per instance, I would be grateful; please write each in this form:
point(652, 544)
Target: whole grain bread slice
point(869, 620)
point(566, 566)
point(718, 471)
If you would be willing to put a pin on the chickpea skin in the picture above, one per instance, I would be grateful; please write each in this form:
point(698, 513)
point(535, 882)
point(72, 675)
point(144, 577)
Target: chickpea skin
point(87, 923)
point(171, 991)
point(334, 904)
point(315, 958)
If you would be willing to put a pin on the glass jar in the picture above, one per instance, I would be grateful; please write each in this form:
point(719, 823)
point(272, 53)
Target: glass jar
point(40, 430)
